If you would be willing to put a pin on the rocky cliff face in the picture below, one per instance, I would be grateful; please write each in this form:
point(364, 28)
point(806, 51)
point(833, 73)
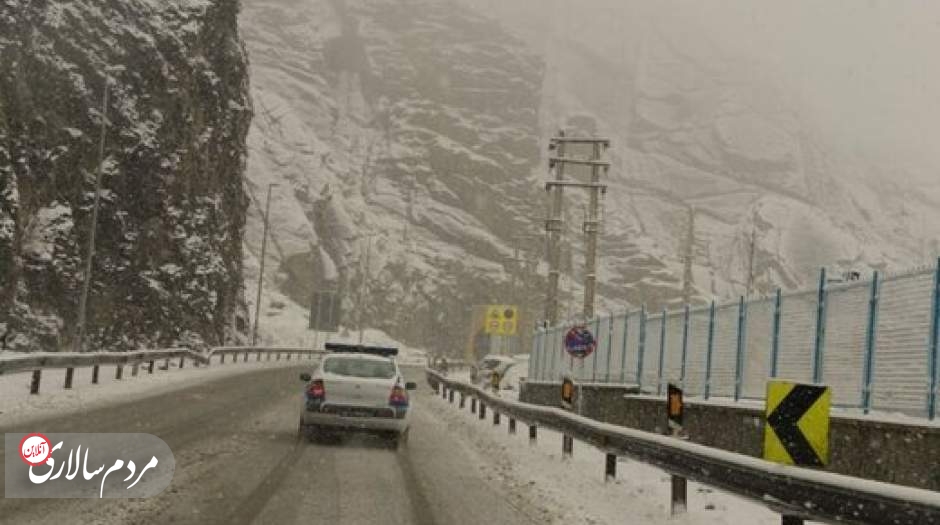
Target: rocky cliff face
point(167, 267)
point(413, 124)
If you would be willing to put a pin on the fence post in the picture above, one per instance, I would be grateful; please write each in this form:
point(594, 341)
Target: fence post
point(934, 346)
point(182, 361)
point(775, 334)
point(641, 348)
point(150, 367)
point(610, 344)
point(685, 345)
point(662, 354)
point(710, 349)
point(135, 369)
point(34, 384)
point(820, 345)
point(118, 372)
point(533, 434)
point(69, 373)
point(534, 361)
point(94, 375)
point(742, 343)
point(871, 334)
point(623, 350)
point(512, 425)
point(222, 358)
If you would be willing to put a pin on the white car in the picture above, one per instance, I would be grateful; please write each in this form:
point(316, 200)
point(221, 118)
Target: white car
point(356, 388)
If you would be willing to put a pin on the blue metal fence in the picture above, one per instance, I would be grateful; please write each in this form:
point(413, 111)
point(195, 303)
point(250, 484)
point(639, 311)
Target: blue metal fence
point(876, 343)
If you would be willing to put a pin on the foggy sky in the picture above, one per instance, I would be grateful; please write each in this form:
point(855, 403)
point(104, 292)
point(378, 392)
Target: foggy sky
point(866, 72)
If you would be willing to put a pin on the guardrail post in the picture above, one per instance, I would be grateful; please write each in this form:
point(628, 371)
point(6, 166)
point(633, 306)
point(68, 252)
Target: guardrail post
point(278, 358)
point(135, 369)
point(496, 418)
point(610, 468)
point(182, 361)
point(775, 334)
point(641, 347)
point(166, 364)
point(679, 496)
point(473, 405)
point(710, 349)
point(450, 397)
point(288, 356)
point(246, 358)
point(623, 350)
point(871, 333)
point(934, 347)
point(462, 401)
point(443, 391)
point(268, 357)
point(482, 410)
point(118, 372)
point(662, 354)
point(34, 384)
point(820, 345)
point(685, 345)
point(567, 446)
point(742, 344)
point(512, 425)
point(533, 434)
point(150, 367)
point(258, 357)
point(69, 374)
point(222, 358)
point(94, 374)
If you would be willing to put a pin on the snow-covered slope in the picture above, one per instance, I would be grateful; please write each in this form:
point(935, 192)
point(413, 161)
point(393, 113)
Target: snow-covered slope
point(423, 125)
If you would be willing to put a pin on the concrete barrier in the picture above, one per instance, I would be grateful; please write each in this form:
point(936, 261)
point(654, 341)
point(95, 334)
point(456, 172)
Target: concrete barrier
point(866, 447)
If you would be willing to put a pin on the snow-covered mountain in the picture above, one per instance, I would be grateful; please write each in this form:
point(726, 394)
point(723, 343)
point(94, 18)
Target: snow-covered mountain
point(423, 126)
point(167, 267)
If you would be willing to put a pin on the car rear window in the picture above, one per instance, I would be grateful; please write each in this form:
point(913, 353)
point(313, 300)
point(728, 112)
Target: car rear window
point(354, 367)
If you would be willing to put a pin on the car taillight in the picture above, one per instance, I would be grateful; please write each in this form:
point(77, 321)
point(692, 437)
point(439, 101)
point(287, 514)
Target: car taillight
point(316, 390)
point(399, 397)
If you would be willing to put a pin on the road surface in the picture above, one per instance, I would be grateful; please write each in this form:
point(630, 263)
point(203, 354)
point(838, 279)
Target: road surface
point(238, 460)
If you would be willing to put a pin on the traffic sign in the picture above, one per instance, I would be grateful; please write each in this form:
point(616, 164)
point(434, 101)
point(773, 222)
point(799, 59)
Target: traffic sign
point(580, 342)
point(797, 424)
point(674, 407)
point(501, 319)
point(567, 393)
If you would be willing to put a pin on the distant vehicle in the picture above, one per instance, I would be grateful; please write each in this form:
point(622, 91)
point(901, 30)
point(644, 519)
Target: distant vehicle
point(480, 375)
point(356, 388)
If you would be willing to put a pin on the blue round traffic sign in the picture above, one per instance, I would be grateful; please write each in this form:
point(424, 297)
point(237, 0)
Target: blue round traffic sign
point(580, 342)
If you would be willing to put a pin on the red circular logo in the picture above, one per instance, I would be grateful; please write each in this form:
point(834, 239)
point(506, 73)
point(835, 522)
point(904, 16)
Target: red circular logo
point(35, 449)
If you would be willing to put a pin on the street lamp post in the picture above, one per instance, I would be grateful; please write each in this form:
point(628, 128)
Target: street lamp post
point(90, 255)
point(264, 248)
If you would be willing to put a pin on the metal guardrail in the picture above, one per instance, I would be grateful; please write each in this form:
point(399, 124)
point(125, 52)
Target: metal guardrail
point(793, 491)
point(40, 361)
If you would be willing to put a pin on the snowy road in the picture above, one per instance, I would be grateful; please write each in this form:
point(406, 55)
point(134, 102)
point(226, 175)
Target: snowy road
point(239, 461)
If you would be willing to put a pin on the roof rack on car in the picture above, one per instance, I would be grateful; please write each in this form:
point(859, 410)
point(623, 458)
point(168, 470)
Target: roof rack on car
point(361, 349)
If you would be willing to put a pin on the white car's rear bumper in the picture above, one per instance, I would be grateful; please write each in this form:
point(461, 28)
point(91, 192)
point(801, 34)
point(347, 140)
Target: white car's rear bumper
point(364, 422)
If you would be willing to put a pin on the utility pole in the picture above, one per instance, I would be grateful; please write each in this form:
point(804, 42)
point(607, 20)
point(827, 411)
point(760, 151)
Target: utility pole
point(592, 223)
point(362, 288)
point(264, 249)
point(553, 227)
point(90, 255)
point(750, 263)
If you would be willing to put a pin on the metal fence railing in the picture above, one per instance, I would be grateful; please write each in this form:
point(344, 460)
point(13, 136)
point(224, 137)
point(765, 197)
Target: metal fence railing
point(874, 342)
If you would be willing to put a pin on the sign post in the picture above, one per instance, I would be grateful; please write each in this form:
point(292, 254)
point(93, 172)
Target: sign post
point(567, 402)
point(796, 429)
point(675, 409)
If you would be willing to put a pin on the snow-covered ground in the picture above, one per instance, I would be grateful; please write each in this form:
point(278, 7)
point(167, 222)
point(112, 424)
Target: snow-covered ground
point(18, 405)
point(573, 491)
